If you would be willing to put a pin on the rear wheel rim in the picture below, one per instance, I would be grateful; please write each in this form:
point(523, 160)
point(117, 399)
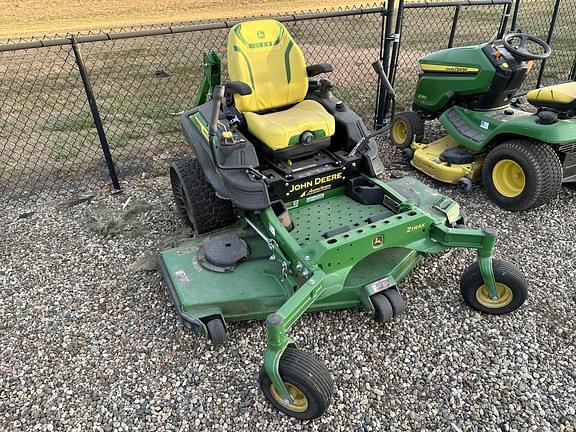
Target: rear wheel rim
point(505, 296)
point(400, 132)
point(299, 403)
point(508, 178)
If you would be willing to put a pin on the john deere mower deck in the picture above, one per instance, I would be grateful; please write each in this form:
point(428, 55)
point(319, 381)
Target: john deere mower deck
point(522, 157)
point(292, 217)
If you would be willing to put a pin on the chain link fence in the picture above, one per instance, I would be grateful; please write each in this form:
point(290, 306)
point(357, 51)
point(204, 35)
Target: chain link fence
point(554, 21)
point(53, 142)
point(140, 81)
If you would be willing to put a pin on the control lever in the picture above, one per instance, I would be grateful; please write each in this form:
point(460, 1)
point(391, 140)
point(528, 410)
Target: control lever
point(379, 68)
point(326, 87)
point(217, 100)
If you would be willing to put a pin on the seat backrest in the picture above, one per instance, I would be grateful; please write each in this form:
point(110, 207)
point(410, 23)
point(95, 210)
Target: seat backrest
point(263, 55)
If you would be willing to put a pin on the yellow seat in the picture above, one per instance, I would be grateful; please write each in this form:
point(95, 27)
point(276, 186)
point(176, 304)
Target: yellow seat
point(263, 55)
point(284, 128)
point(561, 97)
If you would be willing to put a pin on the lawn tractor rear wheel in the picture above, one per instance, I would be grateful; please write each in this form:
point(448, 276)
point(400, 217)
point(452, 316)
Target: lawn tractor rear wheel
point(406, 128)
point(383, 310)
point(196, 200)
point(510, 283)
point(216, 331)
point(308, 382)
point(522, 174)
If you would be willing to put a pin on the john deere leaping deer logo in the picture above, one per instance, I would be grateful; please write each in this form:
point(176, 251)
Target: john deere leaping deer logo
point(260, 34)
point(377, 241)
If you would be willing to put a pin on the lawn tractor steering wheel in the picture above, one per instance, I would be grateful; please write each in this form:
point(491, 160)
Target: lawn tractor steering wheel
point(519, 51)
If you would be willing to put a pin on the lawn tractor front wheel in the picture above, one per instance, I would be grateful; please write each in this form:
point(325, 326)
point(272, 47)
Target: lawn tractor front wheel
point(196, 200)
point(510, 283)
point(522, 174)
point(308, 382)
point(406, 128)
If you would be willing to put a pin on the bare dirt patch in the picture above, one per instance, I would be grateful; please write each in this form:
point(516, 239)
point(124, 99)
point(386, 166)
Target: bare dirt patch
point(46, 17)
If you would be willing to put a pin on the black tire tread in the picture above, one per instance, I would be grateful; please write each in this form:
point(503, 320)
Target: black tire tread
point(216, 331)
point(545, 173)
point(418, 125)
point(383, 309)
point(471, 279)
point(209, 212)
point(295, 364)
point(396, 300)
point(304, 362)
point(415, 129)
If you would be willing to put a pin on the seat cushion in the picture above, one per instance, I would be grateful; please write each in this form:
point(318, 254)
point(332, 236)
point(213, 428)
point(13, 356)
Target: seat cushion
point(561, 97)
point(279, 130)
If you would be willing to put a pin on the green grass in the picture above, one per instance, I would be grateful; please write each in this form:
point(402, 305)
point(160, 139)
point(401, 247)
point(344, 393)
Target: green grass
point(71, 123)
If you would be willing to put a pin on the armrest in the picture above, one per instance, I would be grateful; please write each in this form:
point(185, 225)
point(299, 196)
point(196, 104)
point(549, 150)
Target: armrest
point(237, 87)
point(317, 69)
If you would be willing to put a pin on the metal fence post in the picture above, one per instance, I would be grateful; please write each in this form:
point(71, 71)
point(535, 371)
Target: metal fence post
point(454, 25)
point(95, 114)
point(396, 46)
point(548, 41)
point(386, 40)
point(504, 21)
point(572, 76)
point(514, 23)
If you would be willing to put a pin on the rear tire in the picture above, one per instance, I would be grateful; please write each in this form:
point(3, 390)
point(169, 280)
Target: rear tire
point(196, 200)
point(522, 174)
point(406, 128)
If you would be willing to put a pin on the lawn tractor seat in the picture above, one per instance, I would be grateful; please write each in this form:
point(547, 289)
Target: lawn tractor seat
point(560, 97)
point(263, 55)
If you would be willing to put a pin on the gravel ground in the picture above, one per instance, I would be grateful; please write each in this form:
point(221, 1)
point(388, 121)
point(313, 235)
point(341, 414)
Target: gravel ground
point(90, 341)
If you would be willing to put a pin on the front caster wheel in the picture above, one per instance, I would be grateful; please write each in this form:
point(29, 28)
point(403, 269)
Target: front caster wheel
point(308, 382)
point(510, 283)
point(396, 300)
point(383, 310)
point(464, 184)
point(407, 154)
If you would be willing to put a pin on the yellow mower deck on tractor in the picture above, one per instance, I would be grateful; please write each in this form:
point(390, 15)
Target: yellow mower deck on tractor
point(426, 158)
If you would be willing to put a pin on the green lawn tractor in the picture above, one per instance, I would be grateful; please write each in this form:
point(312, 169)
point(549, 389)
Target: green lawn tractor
point(292, 218)
point(521, 155)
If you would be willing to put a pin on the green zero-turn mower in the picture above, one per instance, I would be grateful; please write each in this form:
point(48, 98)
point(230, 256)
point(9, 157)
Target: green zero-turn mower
point(521, 156)
point(292, 218)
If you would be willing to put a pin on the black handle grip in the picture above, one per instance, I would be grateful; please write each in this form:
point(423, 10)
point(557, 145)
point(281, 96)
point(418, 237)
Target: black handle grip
point(377, 65)
point(217, 99)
